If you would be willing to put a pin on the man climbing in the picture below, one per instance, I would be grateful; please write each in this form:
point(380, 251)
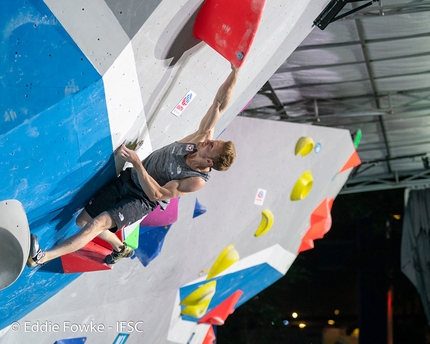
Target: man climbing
point(169, 172)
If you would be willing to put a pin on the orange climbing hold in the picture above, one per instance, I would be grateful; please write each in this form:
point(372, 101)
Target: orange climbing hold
point(320, 224)
point(210, 336)
point(354, 160)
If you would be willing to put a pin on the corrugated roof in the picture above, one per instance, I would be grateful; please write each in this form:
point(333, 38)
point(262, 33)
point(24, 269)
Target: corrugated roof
point(369, 71)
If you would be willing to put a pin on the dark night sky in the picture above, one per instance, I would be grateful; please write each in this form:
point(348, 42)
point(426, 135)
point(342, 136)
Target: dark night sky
point(365, 238)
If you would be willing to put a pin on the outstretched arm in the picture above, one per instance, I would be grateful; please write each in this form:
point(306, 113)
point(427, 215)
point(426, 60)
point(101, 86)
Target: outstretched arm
point(221, 101)
point(152, 189)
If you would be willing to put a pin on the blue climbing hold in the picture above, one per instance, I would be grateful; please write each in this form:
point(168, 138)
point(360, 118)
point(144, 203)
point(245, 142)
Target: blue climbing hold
point(199, 209)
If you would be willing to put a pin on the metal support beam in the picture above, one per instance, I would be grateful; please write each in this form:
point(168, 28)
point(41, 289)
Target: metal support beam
point(386, 182)
point(390, 10)
point(277, 101)
point(376, 40)
point(360, 30)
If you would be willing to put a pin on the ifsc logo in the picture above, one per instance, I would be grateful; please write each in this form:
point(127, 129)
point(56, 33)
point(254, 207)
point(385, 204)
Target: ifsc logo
point(259, 197)
point(183, 103)
point(187, 99)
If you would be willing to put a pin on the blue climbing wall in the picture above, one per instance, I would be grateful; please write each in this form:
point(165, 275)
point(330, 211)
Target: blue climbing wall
point(55, 141)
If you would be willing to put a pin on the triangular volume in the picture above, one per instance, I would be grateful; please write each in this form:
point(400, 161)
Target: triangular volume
point(307, 244)
point(105, 244)
point(320, 224)
point(317, 231)
point(199, 209)
point(159, 217)
point(354, 160)
point(322, 211)
point(219, 314)
point(151, 241)
point(210, 336)
point(320, 221)
point(88, 258)
point(132, 239)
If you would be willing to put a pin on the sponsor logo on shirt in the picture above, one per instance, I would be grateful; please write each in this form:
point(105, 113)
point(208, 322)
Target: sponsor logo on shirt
point(121, 216)
point(190, 148)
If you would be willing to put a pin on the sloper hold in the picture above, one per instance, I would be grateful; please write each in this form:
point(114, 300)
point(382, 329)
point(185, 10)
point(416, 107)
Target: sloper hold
point(229, 27)
point(266, 223)
point(201, 294)
point(199, 209)
point(88, 258)
point(219, 314)
point(354, 160)
point(198, 310)
point(228, 257)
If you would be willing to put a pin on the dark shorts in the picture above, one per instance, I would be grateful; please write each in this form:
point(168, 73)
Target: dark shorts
point(122, 200)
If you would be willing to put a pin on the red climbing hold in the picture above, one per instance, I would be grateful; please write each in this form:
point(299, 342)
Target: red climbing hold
point(229, 27)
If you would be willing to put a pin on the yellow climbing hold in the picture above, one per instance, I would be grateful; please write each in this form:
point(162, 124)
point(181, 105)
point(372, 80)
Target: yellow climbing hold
point(302, 186)
point(265, 224)
point(228, 257)
point(196, 311)
point(200, 295)
point(304, 146)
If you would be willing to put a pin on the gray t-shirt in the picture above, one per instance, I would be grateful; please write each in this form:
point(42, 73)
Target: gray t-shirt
point(168, 163)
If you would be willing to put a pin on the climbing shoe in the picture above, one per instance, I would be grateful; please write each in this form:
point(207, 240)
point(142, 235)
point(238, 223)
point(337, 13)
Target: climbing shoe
point(36, 253)
point(126, 252)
